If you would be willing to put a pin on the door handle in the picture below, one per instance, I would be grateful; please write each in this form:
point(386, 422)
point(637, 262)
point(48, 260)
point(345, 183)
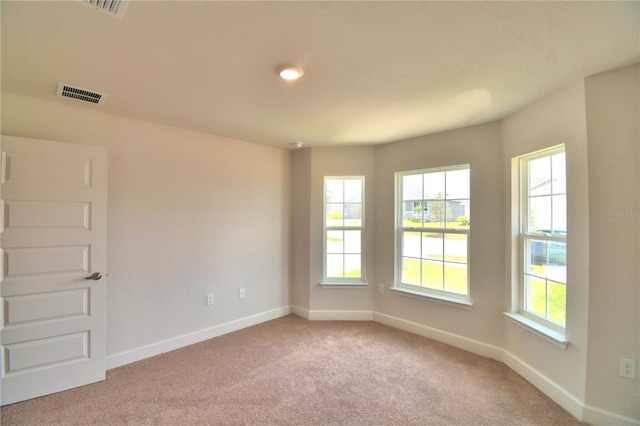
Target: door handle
point(95, 276)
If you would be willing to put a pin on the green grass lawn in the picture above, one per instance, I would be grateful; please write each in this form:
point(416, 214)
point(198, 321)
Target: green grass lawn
point(548, 302)
point(431, 275)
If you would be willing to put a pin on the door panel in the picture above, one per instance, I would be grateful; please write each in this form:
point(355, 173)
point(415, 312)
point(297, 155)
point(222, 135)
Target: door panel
point(53, 207)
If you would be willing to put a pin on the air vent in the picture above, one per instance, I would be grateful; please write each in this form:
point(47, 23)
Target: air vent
point(114, 8)
point(84, 95)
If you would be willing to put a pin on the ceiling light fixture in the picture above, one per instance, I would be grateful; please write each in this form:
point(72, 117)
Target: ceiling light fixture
point(296, 144)
point(290, 72)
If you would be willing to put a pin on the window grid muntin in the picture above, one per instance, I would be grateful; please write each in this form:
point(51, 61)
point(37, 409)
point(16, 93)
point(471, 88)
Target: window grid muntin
point(403, 229)
point(344, 228)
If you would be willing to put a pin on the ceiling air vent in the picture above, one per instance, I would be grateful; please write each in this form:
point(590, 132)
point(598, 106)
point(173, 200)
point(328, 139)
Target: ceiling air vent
point(114, 8)
point(85, 95)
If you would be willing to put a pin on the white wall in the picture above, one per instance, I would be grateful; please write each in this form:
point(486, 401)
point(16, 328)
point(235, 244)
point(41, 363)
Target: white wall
point(188, 214)
point(479, 146)
point(301, 228)
point(310, 167)
point(613, 120)
point(175, 196)
point(557, 118)
point(603, 306)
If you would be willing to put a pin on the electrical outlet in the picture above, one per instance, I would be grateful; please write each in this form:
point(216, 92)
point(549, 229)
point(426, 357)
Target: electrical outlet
point(628, 368)
point(209, 299)
point(241, 293)
point(381, 288)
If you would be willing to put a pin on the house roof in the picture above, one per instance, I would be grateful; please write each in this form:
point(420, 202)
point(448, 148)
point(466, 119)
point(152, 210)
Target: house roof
point(375, 72)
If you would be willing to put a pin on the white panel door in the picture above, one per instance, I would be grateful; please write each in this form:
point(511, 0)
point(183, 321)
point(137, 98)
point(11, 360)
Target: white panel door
point(53, 201)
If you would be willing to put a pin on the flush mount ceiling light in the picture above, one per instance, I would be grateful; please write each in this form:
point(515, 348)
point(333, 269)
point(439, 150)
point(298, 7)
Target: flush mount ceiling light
point(296, 144)
point(290, 72)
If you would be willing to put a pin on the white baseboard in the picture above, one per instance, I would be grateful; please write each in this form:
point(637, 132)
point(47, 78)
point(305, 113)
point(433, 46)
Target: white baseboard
point(470, 345)
point(325, 315)
point(300, 311)
point(547, 386)
point(137, 354)
point(596, 416)
point(566, 400)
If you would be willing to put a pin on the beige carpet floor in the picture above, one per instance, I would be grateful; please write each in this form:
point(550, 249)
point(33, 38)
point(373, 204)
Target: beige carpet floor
point(298, 372)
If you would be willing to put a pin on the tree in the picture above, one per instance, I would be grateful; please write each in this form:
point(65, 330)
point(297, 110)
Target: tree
point(440, 209)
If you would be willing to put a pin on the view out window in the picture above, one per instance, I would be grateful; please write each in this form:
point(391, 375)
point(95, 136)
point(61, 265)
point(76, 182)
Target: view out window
point(433, 223)
point(543, 237)
point(343, 230)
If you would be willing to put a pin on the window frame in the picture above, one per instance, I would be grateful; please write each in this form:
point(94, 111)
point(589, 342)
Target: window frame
point(328, 281)
point(541, 324)
point(439, 295)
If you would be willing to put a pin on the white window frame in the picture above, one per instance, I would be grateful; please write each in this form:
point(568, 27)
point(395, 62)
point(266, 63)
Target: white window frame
point(344, 281)
point(442, 296)
point(542, 326)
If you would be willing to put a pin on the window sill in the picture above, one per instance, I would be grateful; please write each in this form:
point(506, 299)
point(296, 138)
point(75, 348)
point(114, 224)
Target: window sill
point(546, 333)
point(344, 285)
point(436, 298)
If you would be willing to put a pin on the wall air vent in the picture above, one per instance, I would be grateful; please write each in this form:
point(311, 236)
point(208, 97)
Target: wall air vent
point(114, 8)
point(84, 95)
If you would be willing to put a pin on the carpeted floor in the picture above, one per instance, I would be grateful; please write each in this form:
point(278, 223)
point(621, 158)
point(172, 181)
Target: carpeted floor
point(299, 372)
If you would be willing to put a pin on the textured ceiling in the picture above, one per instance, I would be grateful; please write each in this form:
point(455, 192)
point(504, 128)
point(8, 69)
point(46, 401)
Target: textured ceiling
point(375, 72)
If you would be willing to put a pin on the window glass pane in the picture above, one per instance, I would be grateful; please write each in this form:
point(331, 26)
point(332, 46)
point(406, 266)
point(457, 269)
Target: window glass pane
point(352, 242)
point(559, 164)
point(352, 214)
point(536, 295)
point(432, 246)
point(412, 187)
point(335, 242)
point(557, 266)
point(352, 264)
point(559, 214)
point(432, 274)
point(458, 214)
point(411, 244)
point(455, 277)
point(335, 265)
point(463, 220)
point(536, 257)
point(335, 215)
point(352, 191)
point(410, 271)
point(557, 302)
point(436, 213)
point(455, 248)
point(540, 176)
point(540, 214)
point(434, 185)
point(458, 184)
point(334, 188)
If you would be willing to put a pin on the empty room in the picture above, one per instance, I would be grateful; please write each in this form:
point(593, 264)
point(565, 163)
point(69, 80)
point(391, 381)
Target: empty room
point(320, 212)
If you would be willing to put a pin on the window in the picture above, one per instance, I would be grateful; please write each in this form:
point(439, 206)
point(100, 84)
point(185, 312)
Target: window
point(343, 229)
point(432, 232)
point(543, 237)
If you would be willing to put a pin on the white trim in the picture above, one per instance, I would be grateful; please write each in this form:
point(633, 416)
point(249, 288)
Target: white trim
point(331, 315)
point(547, 386)
point(597, 416)
point(344, 285)
point(137, 354)
point(461, 342)
point(539, 329)
point(300, 311)
point(551, 389)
